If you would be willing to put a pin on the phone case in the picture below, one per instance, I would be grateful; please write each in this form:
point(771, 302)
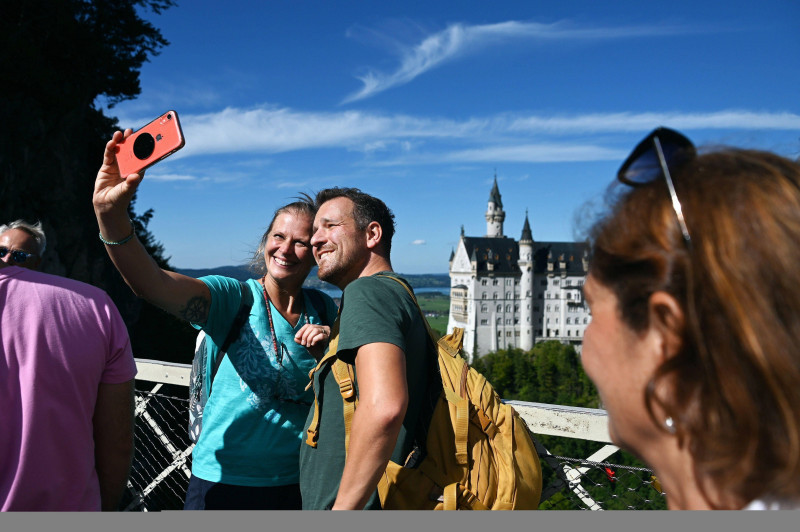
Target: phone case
point(159, 139)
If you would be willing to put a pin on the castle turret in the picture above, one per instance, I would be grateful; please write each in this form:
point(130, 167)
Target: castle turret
point(495, 215)
point(526, 323)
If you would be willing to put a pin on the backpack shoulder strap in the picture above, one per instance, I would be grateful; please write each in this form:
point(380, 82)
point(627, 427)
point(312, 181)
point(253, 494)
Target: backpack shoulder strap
point(241, 316)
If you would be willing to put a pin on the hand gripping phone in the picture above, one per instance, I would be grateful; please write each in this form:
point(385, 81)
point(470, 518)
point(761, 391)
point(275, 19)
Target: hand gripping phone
point(157, 140)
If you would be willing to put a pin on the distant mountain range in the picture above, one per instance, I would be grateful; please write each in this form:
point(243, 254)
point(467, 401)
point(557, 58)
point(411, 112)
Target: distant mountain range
point(242, 273)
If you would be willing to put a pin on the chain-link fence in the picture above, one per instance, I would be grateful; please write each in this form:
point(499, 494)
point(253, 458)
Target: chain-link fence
point(162, 462)
point(162, 465)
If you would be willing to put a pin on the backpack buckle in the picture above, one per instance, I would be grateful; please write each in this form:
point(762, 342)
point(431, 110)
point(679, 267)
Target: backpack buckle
point(347, 390)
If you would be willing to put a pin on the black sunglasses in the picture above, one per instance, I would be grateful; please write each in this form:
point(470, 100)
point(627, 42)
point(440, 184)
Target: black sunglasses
point(17, 255)
point(652, 158)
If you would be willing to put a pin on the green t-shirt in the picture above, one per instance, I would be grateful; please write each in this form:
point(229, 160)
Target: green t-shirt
point(373, 309)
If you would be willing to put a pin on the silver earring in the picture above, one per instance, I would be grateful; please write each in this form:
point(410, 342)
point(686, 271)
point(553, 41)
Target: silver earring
point(669, 424)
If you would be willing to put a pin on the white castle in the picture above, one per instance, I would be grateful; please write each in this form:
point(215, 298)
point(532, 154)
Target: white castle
point(507, 293)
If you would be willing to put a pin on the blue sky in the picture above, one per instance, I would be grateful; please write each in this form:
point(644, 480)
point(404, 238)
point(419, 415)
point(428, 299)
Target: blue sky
point(420, 103)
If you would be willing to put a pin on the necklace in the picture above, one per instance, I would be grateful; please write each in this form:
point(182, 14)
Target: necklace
point(303, 315)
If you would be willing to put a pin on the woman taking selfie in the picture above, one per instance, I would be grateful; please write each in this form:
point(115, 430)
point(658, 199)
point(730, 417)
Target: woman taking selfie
point(247, 454)
point(694, 288)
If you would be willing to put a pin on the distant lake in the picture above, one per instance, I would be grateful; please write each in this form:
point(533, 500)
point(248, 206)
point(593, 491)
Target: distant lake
point(335, 292)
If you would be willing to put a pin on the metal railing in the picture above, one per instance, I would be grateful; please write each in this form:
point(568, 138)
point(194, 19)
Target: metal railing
point(162, 462)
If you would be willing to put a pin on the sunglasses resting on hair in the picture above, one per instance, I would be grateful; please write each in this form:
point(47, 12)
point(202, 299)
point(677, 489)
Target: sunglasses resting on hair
point(652, 158)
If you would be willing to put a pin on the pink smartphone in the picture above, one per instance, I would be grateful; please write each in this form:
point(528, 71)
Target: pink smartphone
point(157, 140)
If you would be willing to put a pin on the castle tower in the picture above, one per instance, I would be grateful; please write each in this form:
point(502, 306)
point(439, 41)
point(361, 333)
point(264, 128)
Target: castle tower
point(495, 215)
point(526, 324)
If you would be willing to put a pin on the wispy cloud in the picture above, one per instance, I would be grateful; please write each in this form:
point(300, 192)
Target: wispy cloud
point(459, 40)
point(604, 122)
point(418, 242)
point(409, 139)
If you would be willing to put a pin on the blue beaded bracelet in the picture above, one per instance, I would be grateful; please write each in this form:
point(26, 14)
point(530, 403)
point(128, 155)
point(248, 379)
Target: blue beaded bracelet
point(110, 243)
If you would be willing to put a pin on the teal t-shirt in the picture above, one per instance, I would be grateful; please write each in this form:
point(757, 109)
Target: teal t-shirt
point(373, 309)
point(254, 416)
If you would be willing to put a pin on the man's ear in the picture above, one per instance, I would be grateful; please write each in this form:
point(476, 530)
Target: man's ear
point(374, 234)
point(667, 318)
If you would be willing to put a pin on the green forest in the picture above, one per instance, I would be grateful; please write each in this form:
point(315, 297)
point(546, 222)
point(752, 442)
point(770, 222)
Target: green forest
point(551, 373)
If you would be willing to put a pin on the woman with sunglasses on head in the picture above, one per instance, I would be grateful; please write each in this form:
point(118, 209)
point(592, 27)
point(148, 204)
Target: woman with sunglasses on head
point(247, 455)
point(694, 288)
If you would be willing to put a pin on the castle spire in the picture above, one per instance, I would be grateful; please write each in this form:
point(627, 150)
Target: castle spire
point(527, 235)
point(494, 212)
point(494, 195)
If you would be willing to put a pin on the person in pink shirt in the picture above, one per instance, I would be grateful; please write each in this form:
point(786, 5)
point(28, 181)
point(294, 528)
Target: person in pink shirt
point(66, 398)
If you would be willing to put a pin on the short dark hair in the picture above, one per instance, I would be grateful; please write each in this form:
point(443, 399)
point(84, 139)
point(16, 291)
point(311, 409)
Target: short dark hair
point(366, 209)
point(303, 205)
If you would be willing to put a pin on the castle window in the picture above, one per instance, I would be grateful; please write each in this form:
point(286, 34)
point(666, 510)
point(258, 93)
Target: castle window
point(484, 322)
point(483, 282)
point(508, 322)
point(494, 296)
point(499, 321)
point(499, 308)
point(494, 282)
point(483, 308)
point(483, 295)
point(508, 308)
point(508, 295)
point(555, 282)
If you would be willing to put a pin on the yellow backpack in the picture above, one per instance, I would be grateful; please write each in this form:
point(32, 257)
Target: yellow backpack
point(479, 452)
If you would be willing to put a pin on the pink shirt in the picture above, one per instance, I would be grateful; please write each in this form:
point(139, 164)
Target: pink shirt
point(59, 339)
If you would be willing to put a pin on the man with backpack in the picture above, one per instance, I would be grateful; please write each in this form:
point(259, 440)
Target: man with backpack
point(382, 340)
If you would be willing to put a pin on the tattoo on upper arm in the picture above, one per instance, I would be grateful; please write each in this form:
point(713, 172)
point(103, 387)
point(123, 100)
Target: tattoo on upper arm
point(196, 310)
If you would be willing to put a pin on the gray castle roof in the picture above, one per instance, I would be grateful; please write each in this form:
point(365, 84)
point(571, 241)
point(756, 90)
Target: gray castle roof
point(503, 254)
